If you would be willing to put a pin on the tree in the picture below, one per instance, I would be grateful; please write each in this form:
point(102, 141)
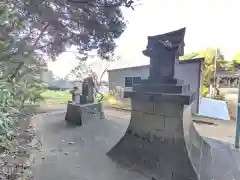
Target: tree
point(25, 85)
point(82, 70)
point(210, 56)
point(30, 29)
point(14, 50)
point(52, 26)
point(237, 57)
point(235, 63)
point(190, 55)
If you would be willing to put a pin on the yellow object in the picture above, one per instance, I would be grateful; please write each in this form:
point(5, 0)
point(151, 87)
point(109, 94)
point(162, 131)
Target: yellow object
point(112, 101)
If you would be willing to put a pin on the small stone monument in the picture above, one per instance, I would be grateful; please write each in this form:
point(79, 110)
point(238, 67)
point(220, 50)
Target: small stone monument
point(87, 91)
point(73, 93)
point(84, 109)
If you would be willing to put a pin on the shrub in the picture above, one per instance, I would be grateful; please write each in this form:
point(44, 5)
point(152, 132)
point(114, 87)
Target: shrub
point(219, 97)
point(204, 91)
point(6, 130)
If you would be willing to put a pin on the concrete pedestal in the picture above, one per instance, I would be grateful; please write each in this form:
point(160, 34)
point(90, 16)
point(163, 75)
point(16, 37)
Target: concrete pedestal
point(154, 142)
point(79, 114)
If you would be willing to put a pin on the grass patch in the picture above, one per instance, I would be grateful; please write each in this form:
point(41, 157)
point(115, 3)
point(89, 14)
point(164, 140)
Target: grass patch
point(54, 100)
point(59, 97)
point(110, 100)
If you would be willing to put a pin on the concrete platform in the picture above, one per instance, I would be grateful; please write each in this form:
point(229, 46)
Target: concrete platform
point(86, 159)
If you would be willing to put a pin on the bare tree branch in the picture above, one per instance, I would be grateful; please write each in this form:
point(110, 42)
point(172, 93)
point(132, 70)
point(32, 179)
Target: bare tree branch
point(32, 50)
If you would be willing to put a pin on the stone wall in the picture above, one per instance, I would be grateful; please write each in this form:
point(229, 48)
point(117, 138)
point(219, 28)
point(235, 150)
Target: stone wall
point(157, 118)
point(154, 140)
point(91, 112)
point(199, 150)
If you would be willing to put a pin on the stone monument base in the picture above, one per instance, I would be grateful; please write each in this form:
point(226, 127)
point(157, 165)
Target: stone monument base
point(154, 143)
point(79, 114)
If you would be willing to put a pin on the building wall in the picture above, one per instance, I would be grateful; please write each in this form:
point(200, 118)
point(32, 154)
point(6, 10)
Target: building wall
point(191, 74)
point(116, 76)
point(189, 71)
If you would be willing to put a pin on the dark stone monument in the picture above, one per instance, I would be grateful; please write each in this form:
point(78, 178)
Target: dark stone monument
point(84, 109)
point(87, 91)
point(163, 51)
point(154, 141)
point(73, 93)
point(161, 141)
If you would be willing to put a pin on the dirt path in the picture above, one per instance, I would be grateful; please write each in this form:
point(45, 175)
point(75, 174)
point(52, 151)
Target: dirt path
point(231, 95)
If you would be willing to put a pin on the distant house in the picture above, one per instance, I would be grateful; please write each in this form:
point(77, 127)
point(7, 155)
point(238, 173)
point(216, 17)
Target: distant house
point(47, 76)
point(227, 79)
point(56, 83)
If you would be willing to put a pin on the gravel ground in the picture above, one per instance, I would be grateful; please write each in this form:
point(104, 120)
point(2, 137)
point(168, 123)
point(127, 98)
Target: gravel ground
point(15, 163)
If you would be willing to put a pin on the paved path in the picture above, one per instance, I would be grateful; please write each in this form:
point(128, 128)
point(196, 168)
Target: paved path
point(79, 152)
point(231, 95)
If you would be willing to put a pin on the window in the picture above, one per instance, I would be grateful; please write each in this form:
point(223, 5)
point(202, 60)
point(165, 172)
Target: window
point(128, 81)
point(136, 80)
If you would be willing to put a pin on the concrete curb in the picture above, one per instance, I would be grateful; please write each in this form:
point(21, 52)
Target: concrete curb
point(43, 111)
point(117, 108)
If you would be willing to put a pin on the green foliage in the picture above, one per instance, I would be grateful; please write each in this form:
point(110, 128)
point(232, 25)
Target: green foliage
point(57, 96)
point(187, 56)
point(219, 97)
point(89, 25)
point(6, 127)
point(237, 57)
point(31, 29)
point(204, 91)
point(25, 86)
point(235, 63)
point(209, 55)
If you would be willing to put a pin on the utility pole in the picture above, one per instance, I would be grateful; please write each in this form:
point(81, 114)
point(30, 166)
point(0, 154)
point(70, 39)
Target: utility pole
point(215, 69)
point(238, 120)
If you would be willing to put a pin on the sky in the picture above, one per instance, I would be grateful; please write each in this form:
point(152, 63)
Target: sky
point(209, 23)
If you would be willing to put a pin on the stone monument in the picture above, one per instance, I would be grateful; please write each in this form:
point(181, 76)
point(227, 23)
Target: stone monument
point(84, 109)
point(154, 142)
point(87, 91)
point(161, 141)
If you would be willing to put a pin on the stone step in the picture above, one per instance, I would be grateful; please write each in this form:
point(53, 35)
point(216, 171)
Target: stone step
point(173, 81)
point(161, 88)
point(185, 98)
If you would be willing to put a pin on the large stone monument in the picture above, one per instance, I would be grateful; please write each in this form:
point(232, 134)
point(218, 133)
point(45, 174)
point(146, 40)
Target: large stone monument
point(161, 141)
point(154, 142)
point(83, 108)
